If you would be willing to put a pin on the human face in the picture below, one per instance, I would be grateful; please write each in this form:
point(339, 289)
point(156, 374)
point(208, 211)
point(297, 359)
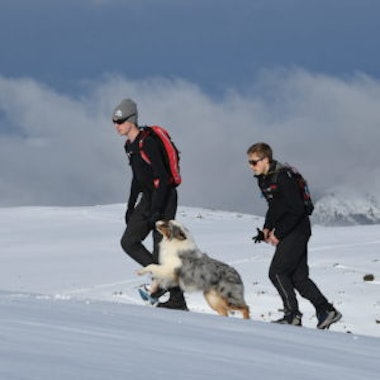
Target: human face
point(258, 164)
point(123, 129)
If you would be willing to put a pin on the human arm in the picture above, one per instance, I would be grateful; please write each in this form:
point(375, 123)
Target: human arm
point(133, 195)
point(161, 178)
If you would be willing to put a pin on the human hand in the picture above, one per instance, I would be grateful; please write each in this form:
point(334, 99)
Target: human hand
point(272, 239)
point(266, 234)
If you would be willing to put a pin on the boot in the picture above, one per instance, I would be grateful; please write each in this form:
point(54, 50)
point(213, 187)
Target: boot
point(328, 317)
point(147, 296)
point(158, 293)
point(176, 300)
point(294, 319)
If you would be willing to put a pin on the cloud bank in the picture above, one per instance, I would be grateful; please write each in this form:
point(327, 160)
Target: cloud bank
point(58, 149)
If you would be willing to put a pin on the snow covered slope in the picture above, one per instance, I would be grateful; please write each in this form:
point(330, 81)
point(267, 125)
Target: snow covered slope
point(69, 306)
point(45, 338)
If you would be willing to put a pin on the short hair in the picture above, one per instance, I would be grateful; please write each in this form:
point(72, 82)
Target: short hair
point(261, 149)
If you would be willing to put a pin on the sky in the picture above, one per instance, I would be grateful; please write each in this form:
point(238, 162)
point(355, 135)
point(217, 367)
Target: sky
point(221, 75)
point(70, 307)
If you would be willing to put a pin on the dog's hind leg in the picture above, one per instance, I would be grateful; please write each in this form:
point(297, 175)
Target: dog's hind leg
point(245, 312)
point(216, 302)
point(243, 309)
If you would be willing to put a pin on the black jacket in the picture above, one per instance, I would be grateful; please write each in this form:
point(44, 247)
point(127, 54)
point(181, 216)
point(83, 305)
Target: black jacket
point(153, 180)
point(286, 210)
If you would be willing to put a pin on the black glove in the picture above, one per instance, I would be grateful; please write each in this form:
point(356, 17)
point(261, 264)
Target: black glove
point(259, 237)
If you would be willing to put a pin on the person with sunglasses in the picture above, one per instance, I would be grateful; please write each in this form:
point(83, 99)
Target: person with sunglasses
point(152, 196)
point(287, 227)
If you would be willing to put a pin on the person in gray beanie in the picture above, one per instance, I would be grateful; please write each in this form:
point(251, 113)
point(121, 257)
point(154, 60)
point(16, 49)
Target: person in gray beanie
point(152, 195)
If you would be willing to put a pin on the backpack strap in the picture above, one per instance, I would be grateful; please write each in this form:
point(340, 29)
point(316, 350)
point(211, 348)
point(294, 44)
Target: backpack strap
point(145, 132)
point(270, 189)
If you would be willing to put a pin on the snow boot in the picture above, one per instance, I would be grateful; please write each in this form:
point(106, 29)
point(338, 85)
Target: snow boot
point(147, 296)
point(176, 300)
point(327, 318)
point(294, 319)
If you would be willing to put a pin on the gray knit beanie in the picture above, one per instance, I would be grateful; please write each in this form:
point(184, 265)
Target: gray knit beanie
point(126, 110)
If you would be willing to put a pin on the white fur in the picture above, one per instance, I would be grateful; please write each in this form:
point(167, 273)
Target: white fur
point(164, 272)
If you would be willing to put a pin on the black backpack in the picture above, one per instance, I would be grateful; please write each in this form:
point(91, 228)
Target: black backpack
point(303, 187)
point(301, 182)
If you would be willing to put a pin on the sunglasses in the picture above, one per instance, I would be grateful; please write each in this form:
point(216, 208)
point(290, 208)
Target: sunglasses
point(121, 121)
point(255, 162)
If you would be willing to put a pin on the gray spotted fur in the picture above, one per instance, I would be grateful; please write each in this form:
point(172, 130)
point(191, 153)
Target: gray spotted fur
point(201, 272)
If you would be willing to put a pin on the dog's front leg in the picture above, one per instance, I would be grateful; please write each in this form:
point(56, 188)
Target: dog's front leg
point(148, 269)
point(159, 272)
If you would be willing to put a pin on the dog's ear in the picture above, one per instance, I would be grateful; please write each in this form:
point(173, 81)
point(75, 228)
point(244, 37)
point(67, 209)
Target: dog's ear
point(164, 228)
point(178, 233)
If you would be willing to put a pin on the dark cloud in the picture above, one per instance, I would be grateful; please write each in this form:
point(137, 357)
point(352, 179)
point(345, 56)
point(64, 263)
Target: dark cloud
point(216, 43)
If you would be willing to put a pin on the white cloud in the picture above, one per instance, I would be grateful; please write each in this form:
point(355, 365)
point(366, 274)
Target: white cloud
point(58, 149)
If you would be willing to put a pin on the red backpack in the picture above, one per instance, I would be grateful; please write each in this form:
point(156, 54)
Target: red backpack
point(171, 153)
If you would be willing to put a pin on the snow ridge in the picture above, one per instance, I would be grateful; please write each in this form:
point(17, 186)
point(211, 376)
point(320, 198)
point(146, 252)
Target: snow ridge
point(344, 208)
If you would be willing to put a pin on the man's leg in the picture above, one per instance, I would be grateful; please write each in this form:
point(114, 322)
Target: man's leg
point(136, 232)
point(285, 261)
point(168, 213)
point(306, 287)
point(326, 313)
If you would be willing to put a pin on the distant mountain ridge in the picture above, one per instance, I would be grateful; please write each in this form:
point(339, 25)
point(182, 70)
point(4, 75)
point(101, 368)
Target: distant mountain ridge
point(340, 207)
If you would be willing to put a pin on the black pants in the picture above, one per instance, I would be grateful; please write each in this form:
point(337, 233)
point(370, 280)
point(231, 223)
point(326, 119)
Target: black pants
point(289, 271)
point(138, 229)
